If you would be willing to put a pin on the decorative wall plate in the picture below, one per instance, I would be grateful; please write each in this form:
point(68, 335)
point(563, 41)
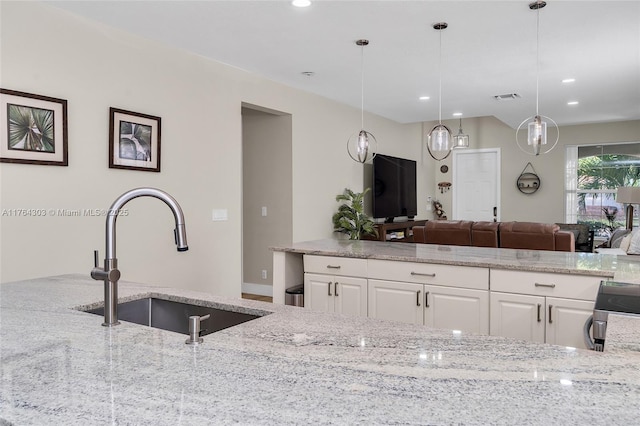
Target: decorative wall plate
point(444, 168)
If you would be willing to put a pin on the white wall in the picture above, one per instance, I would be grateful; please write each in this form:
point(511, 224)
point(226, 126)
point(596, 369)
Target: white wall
point(95, 67)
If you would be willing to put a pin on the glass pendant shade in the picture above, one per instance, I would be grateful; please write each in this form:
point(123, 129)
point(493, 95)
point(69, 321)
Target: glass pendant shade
point(538, 128)
point(362, 147)
point(537, 134)
point(439, 142)
point(460, 140)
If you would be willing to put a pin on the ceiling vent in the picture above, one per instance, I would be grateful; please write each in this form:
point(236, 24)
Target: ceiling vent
point(507, 97)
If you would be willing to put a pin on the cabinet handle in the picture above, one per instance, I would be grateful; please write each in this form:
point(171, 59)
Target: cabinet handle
point(418, 298)
point(329, 288)
point(333, 266)
point(539, 306)
point(550, 308)
point(545, 285)
point(422, 275)
point(335, 288)
point(426, 299)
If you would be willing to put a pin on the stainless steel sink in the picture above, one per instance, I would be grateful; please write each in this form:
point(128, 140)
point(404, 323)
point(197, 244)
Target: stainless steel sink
point(174, 316)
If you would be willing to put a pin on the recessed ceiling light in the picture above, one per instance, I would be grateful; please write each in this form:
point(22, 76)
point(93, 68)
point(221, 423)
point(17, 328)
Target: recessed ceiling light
point(301, 3)
point(424, 98)
point(569, 80)
point(457, 114)
point(573, 103)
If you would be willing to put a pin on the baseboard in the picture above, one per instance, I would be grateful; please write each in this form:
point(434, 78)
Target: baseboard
point(259, 289)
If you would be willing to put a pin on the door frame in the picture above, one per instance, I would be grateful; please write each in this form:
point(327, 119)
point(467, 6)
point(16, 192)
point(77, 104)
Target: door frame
point(456, 170)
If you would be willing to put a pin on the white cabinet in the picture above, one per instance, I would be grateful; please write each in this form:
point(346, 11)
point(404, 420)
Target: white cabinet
point(335, 284)
point(457, 309)
point(396, 301)
point(541, 307)
point(406, 292)
point(517, 315)
point(347, 295)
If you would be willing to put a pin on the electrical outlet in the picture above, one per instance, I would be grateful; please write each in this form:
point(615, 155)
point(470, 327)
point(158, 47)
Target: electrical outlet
point(264, 211)
point(264, 274)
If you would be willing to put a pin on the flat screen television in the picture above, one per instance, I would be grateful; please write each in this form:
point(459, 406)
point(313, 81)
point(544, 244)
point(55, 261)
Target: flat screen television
point(394, 188)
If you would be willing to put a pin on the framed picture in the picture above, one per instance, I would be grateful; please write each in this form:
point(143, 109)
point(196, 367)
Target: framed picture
point(33, 129)
point(134, 141)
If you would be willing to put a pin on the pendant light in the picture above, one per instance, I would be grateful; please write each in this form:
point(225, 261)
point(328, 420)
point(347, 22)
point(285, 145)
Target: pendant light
point(439, 140)
point(461, 140)
point(538, 124)
point(362, 147)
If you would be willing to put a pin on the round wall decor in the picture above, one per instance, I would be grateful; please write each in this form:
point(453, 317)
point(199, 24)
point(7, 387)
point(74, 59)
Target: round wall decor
point(528, 182)
point(444, 168)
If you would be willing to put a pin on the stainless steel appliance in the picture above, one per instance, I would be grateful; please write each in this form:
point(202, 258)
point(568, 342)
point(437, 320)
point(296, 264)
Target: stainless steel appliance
point(613, 297)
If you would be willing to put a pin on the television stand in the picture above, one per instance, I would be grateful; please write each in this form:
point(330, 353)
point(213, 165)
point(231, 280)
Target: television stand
point(396, 231)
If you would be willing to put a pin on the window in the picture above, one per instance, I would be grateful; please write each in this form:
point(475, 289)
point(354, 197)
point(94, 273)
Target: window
point(593, 174)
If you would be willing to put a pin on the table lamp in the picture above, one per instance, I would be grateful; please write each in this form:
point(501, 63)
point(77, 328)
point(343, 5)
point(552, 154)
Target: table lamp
point(629, 195)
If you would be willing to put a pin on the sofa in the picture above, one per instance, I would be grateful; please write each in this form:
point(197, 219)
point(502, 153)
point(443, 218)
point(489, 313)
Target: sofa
point(515, 235)
point(622, 242)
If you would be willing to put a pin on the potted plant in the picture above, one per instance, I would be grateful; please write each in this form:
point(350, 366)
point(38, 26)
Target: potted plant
point(350, 218)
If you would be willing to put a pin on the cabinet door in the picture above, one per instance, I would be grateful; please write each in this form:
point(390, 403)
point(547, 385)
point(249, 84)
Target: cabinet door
point(565, 321)
point(350, 295)
point(318, 292)
point(516, 315)
point(396, 301)
point(456, 309)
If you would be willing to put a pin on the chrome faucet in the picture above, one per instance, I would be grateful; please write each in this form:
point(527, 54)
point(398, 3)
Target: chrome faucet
point(110, 273)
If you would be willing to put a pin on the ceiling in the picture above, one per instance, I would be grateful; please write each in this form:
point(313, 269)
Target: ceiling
point(488, 49)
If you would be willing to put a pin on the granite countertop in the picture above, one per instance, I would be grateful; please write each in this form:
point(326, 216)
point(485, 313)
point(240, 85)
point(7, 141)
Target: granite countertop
point(293, 366)
point(622, 267)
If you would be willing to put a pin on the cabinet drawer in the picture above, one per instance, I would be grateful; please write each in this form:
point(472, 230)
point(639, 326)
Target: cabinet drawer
point(335, 265)
point(581, 287)
point(429, 273)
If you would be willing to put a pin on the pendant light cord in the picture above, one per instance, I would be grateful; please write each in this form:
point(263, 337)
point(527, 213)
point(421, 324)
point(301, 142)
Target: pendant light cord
point(362, 87)
point(537, 57)
point(440, 80)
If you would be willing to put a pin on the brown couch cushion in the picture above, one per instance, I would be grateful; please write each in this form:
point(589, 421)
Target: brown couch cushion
point(448, 232)
point(484, 234)
point(528, 235)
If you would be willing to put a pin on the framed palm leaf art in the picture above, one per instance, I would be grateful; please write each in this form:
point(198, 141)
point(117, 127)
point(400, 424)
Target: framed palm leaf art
point(134, 141)
point(33, 129)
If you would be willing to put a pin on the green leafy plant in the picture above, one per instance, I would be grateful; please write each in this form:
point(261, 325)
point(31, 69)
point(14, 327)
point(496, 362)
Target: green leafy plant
point(350, 218)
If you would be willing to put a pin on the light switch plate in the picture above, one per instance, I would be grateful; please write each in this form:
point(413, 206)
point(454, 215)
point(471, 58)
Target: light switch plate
point(220, 215)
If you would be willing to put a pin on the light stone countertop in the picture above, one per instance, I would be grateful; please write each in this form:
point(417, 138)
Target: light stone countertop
point(293, 366)
point(623, 268)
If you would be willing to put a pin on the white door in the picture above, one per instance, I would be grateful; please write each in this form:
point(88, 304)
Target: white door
point(318, 292)
point(350, 296)
point(476, 184)
point(456, 309)
point(395, 301)
point(517, 315)
point(565, 321)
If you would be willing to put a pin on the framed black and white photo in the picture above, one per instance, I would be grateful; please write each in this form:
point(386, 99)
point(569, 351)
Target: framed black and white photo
point(134, 141)
point(33, 129)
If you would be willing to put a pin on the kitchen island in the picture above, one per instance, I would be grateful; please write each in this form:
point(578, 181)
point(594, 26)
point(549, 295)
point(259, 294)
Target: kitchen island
point(58, 365)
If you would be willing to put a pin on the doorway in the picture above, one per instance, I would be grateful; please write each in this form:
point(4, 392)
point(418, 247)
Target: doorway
point(267, 193)
point(476, 184)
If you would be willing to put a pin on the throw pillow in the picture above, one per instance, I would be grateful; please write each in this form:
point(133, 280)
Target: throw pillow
point(634, 246)
point(617, 237)
point(626, 242)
